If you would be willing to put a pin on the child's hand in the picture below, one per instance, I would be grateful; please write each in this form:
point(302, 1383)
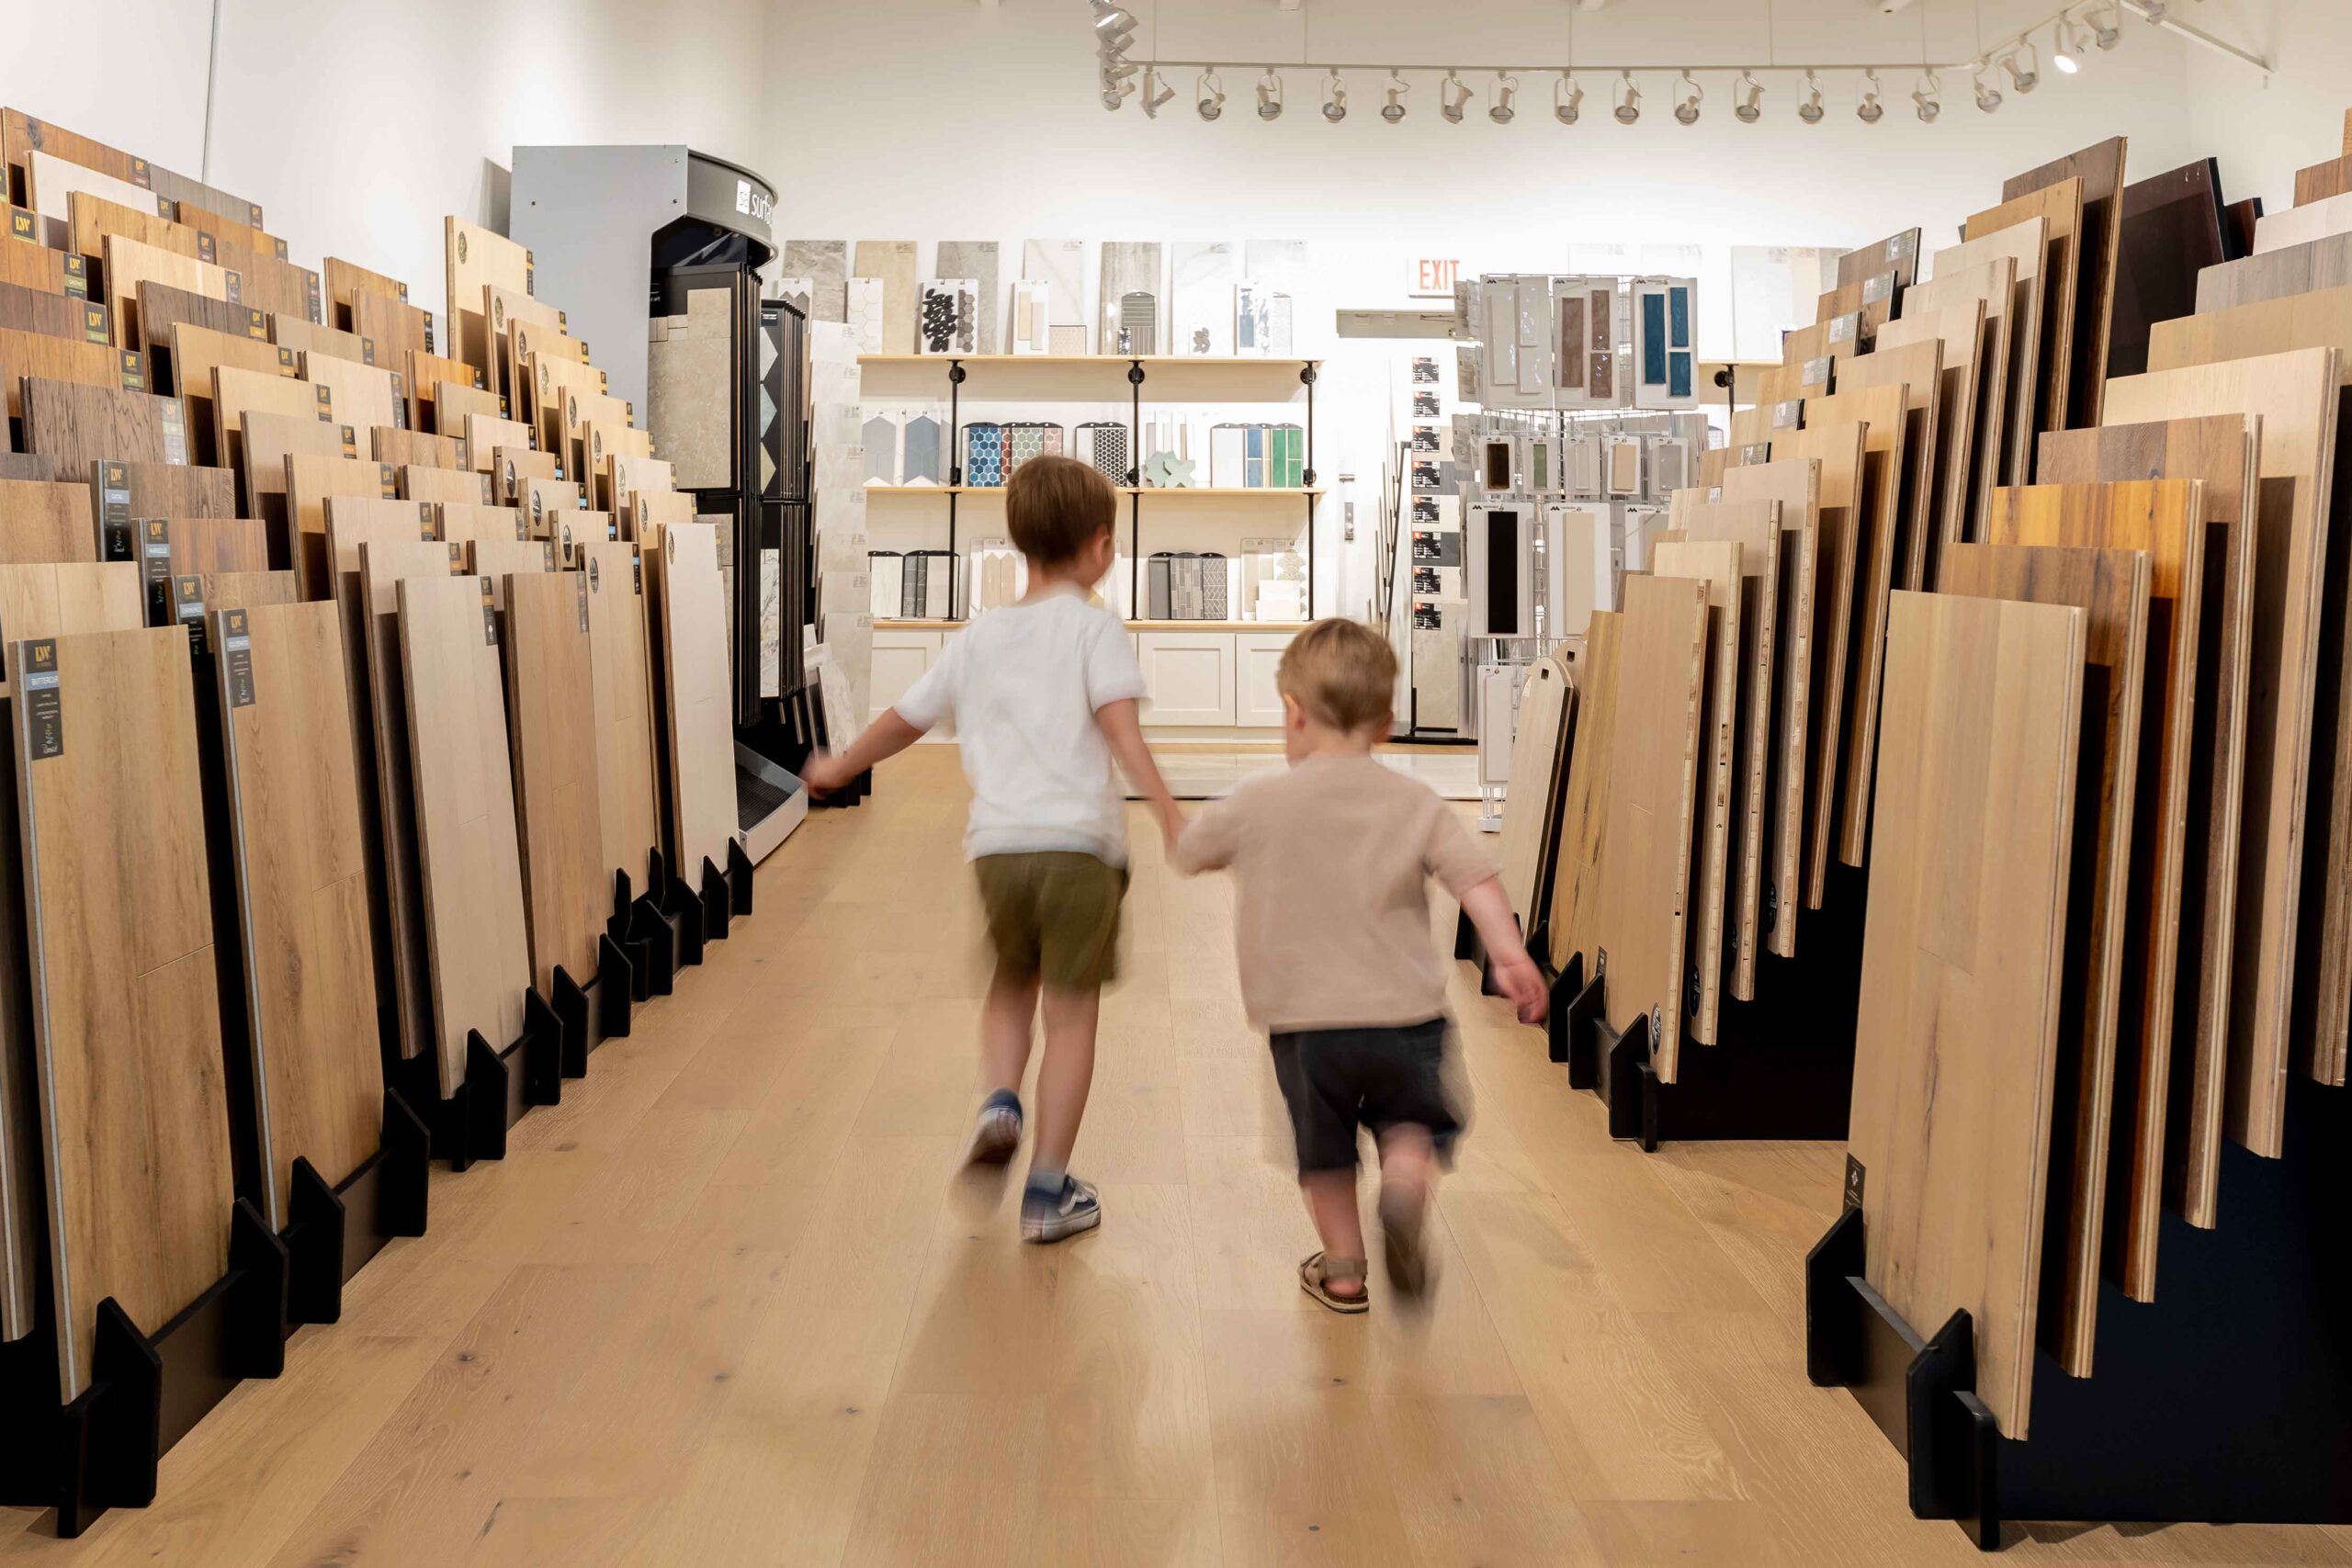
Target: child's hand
point(823, 774)
point(1172, 822)
point(1518, 979)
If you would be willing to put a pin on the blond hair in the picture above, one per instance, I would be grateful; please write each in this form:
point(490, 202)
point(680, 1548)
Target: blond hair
point(1055, 506)
point(1342, 672)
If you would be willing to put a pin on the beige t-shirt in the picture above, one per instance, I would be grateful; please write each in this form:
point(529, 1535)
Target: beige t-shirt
point(1333, 856)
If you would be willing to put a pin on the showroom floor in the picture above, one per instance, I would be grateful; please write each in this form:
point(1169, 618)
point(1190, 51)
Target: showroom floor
point(721, 1307)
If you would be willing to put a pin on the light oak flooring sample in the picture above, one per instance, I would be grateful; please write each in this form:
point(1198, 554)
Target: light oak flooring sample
point(305, 940)
point(414, 449)
point(1917, 368)
point(510, 465)
point(2026, 246)
point(1530, 809)
point(696, 702)
point(196, 353)
point(202, 546)
point(365, 396)
point(462, 487)
point(128, 264)
point(399, 330)
point(125, 1003)
point(307, 338)
point(1717, 564)
point(26, 354)
point(1957, 330)
point(486, 434)
point(1584, 804)
point(465, 815)
point(39, 601)
point(236, 393)
point(168, 489)
point(1653, 787)
point(426, 374)
point(2166, 520)
point(1956, 1042)
point(1766, 573)
point(40, 521)
point(345, 281)
point(463, 522)
point(2298, 269)
point(1993, 285)
point(75, 425)
point(1840, 451)
point(2217, 454)
point(494, 560)
point(2060, 208)
point(2100, 168)
point(476, 259)
point(2296, 396)
point(626, 798)
point(311, 483)
point(250, 590)
point(2300, 225)
point(2110, 587)
point(550, 696)
point(1897, 254)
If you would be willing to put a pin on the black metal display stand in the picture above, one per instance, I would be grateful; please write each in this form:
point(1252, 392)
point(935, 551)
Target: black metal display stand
point(335, 1229)
point(2227, 1399)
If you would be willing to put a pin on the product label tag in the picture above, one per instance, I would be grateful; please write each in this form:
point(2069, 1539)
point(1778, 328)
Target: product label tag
point(237, 649)
point(1854, 1174)
point(44, 703)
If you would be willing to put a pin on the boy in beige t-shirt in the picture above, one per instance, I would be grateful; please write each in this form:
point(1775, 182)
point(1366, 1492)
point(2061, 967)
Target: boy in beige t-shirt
point(1333, 857)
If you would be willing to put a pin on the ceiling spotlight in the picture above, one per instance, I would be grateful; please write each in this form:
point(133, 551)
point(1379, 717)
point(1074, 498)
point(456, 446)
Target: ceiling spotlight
point(1269, 96)
point(1629, 102)
point(1156, 92)
point(1924, 97)
point(1114, 27)
point(1988, 96)
point(1335, 97)
point(1686, 109)
point(1750, 106)
point(2108, 33)
point(1869, 111)
point(1394, 109)
point(1567, 99)
point(1810, 111)
point(1117, 85)
point(1453, 98)
point(2068, 43)
point(1210, 95)
point(2154, 11)
point(2024, 69)
point(1506, 90)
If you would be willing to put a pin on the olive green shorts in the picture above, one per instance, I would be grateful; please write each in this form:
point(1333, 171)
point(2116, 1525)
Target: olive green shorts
point(1053, 915)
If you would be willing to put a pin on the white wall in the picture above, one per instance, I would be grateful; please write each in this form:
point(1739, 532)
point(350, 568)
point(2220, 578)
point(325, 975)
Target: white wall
point(2263, 131)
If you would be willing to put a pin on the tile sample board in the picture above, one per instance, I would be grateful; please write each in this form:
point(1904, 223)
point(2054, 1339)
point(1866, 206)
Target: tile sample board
point(2026, 246)
point(1060, 266)
point(1993, 286)
point(825, 263)
point(1201, 273)
point(2300, 225)
point(45, 521)
point(1134, 299)
point(2295, 395)
point(1840, 451)
point(978, 260)
point(2060, 208)
point(690, 651)
point(75, 425)
point(125, 1002)
point(892, 262)
point(305, 943)
point(1956, 1042)
point(550, 701)
point(2110, 588)
point(1532, 809)
point(2100, 168)
point(474, 259)
point(1584, 803)
point(2217, 454)
point(1717, 566)
point(469, 860)
point(2298, 269)
point(2171, 232)
point(2165, 520)
point(627, 799)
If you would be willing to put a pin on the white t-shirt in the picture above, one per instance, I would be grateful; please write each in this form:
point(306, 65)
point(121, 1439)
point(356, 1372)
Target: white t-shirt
point(1022, 683)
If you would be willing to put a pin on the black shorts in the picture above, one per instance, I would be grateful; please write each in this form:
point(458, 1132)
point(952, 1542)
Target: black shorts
point(1335, 1080)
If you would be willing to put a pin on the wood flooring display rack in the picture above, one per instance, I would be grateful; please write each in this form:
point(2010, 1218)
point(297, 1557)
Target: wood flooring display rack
point(1103, 379)
point(366, 704)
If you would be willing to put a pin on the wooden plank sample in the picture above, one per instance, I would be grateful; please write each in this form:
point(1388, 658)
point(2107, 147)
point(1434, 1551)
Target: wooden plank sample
point(627, 797)
point(2166, 520)
point(508, 307)
point(475, 259)
point(690, 648)
point(201, 545)
point(510, 467)
point(363, 395)
point(269, 440)
point(2027, 246)
point(2300, 225)
point(440, 485)
point(2172, 231)
point(1917, 368)
point(405, 448)
point(623, 476)
point(22, 135)
point(464, 522)
point(2320, 181)
point(655, 511)
point(427, 372)
point(25, 263)
point(236, 393)
point(399, 330)
point(1645, 867)
point(196, 352)
point(53, 315)
point(2060, 208)
point(1530, 809)
point(229, 221)
point(1584, 806)
point(305, 336)
point(1897, 254)
point(310, 481)
point(550, 700)
point(1955, 1046)
point(494, 560)
point(2110, 588)
point(162, 310)
point(1871, 299)
point(608, 439)
point(62, 360)
point(251, 590)
point(75, 425)
point(56, 599)
point(1717, 565)
point(166, 490)
point(453, 401)
point(126, 1009)
point(2100, 168)
point(2298, 269)
point(2295, 395)
point(469, 860)
point(271, 284)
point(345, 281)
point(50, 183)
point(2217, 454)
point(130, 264)
point(1993, 286)
point(486, 436)
point(1957, 330)
point(92, 217)
point(304, 941)
point(1840, 448)
point(23, 466)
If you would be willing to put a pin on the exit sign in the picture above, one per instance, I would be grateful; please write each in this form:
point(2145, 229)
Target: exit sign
point(1432, 276)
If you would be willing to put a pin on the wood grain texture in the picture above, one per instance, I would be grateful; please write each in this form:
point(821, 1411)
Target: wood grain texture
point(40, 600)
point(464, 522)
point(475, 258)
point(2110, 588)
point(59, 358)
point(130, 264)
point(1531, 810)
point(510, 465)
point(623, 476)
point(453, 403)
point(75, 425)
point(1947, 452)
point(486, 436)
point(1994, 286)
point(2319, 181)
point(251, 590)
point(2100, 168)
point(221, 217)
point(1584, 804)
point(365, 396)
point(2171, 231)
point(172, 489)
point(2217, 454)
point(53, 315)
point(1955, 1046)
point(455, 486)
point(1839, 450)
point(550, 699)
point(653, 512)
point(1917, 368)
point(196, 353)
point(22, 135)
point(2300, 225)
point(91, 217)
point(304, 938)
point(124, 997)
point(494, 560)
point(2321, 1009)
point(50, 183)
point(309, 483)
point(346, 281)
point(305, 336)
point(626, 793)
point(201, 545)
point(2027, 246)
point(1646, 865)
point(1872, 300)
point(2295, 395)
point(406, 448)
point(45, 522)
point(28, 466)
point(1897, 254)
point(400, 332)
point(2165, 519)
point(508, 307)
point(2059, 206)
point(270, 283)
point(2298, 269)
point(427, 372)
point(1717, 565)
point(690, 648)
point(269, 439)
point(465, 818)
point(163, 310)
point(48, 270)
point(236, 393)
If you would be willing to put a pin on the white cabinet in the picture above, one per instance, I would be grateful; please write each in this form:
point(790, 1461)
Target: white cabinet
point(1256, 703)
point(900, 659)
point(1189, 676)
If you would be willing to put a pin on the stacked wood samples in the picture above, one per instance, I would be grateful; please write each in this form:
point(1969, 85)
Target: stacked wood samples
point(130, 264)
point(2165, 520)
point(626, 798)
point(75, 425)
point(486, 436)
point(550, 700)
point(310, 481)
point(478, 259)
point(163, 310)
point(202, 546)
point(1530, 813)
point(250, 590)
point(37, 266)
point(229, 221)
point(50, 182)
point(1717, 566)
point(196, 352)
point(92, 217)
point(608, 440)
point(269, 439)
point(166, 490)
point(308, 337)
point(345, 281)
point(494, 560)
point(304, 938)
point(1839, 450)
point(53, 315)
point(2320, 181)
point(403, 448)
point(453, 403)
point(2060, 208)
point(464, 522)
point(2217, 454)
point(2025, 247)
point(400, 332)
point(426, 375)
point(2300, 225)
point(363, 395)
point(236, 393)
point(1584, 805)
point(61, 360)
point(2295, 396)
point(2171, 232)
point(2298, 269)
point(450, 485)
point(1917, 368)
point(465, 815)
point(124, 997)
point(2100, 169)
point(22, 135)
point(511, 466)
point(1955, 1046)
point(623, 476)
point(1944, 301)
point(1897, 254)
point(507, 307)
point(1871, 299)
point(1646, 865)
point(268, 282)
point(690, 648)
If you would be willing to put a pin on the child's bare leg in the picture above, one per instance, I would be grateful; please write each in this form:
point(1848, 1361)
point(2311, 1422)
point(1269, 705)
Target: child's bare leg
point(1407, 1161)
point(1331, 1204)
point(1005, 1028)
point(1065, 1075)
point(1408, 1171)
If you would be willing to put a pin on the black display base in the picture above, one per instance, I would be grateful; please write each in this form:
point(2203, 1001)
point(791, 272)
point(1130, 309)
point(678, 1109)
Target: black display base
point(646, 938)
point(681, 909)
point(471, 1124)
point(2228, 1399)
point(334, 1230)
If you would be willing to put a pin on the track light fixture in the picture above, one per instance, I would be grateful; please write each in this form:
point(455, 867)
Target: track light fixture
point(1114, 28)
point(1750, 106)
point(1629, 100)
point(1869, 111)
point(1335, 97)
point(1503, 110)
point(1988, 96)
point(1394, 109)
point(1924, 98)
point(1810, 111)
point(2108, 33)
point(1567, 98)
point(1269, 96)
point(2154, 11)
point(1156, 92)
point(2023, 63)
point(1210, 95)
point(1117, 87)
point(1453, 98)
point(1686, 111)
point(2067, 45)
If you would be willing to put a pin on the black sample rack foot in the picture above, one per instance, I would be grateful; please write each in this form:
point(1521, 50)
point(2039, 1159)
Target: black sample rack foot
point(335, 1229)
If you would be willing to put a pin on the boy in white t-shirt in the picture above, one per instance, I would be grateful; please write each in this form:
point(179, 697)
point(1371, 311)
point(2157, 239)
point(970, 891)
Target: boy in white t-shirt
point(1044, 694)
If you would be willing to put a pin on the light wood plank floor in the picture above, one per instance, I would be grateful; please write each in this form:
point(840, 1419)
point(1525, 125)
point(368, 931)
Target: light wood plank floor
point(725, 1307)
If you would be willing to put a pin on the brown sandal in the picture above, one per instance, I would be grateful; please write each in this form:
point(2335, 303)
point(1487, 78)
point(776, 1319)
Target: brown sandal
point(1317, 1270)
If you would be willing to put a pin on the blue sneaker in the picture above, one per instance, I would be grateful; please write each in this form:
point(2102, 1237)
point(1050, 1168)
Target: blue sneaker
point(1050, 1213)
point(996, 1133)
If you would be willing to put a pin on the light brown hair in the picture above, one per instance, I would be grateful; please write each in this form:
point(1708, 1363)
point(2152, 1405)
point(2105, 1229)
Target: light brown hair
point(1053, 506)
point(1342, 672)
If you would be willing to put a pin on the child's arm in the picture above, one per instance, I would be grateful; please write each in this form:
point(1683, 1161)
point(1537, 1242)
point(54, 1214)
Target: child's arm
point(1515, 973)
point(1122, 727)
point(883, 739)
